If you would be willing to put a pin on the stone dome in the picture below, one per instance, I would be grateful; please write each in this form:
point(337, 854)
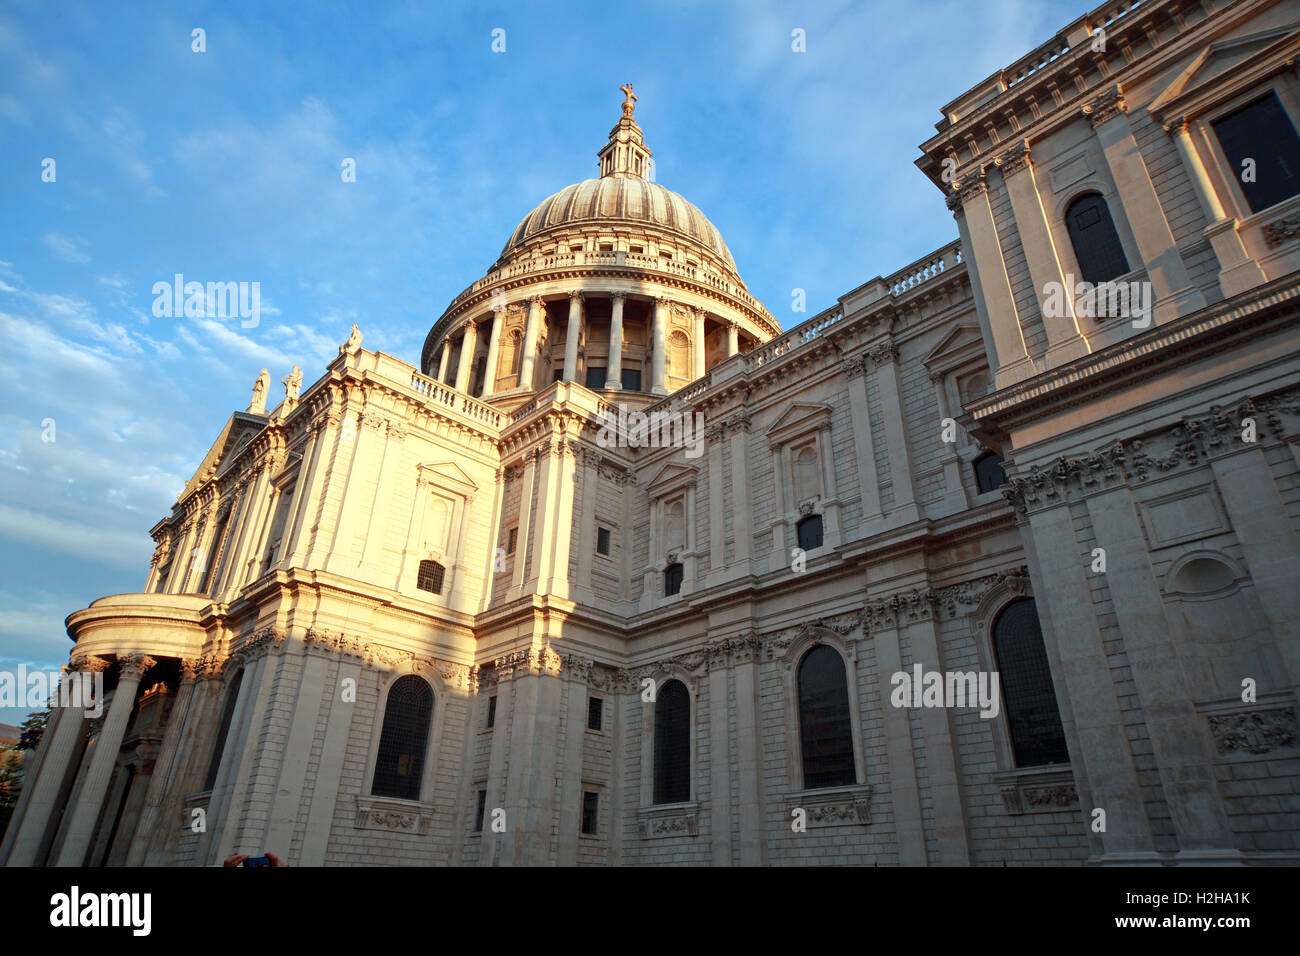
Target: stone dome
point(620, 201)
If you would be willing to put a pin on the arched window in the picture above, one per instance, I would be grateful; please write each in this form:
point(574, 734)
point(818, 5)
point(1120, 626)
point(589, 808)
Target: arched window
point(989, 475)
point(1029, 699)
point(430, 577)
point(825, 735)
point(223, 729)
point(1096, 243)
point(809, 530)
point(403, 740)
point(672, 743)
point(673, 579)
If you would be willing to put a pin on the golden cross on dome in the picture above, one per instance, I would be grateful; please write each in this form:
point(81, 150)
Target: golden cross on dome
point(629, 104)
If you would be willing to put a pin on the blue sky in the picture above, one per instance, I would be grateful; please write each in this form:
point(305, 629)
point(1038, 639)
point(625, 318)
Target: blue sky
point(224, 165)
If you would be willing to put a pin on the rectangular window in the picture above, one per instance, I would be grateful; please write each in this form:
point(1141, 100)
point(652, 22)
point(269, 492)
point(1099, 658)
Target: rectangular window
point(492, 712)
point(559, 374)
point(595, 712)
point(590, 804)
point(602, 541)
point(595, 377)
point(511, 536)
point(1260, 138)
point(478, 813)
point(631, 380)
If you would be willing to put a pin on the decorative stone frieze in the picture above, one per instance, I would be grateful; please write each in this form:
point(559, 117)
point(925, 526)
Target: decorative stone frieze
point(675, 820)
point(1257, 731)
point(394, 816)
point(834, 807)
point(1193, 441)
point(1282, 231)
point(1038, 792)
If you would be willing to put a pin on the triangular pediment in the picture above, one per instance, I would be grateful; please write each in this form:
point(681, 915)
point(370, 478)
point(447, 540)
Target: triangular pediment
point(448, 474)
point(238, 431)
point(672, 475)
point(798, 418)
point(1220, 58)
point(956, 345)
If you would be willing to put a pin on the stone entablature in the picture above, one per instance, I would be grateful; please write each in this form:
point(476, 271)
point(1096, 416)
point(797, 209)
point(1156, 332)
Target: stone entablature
point(1189, 443)
point(1027, 96)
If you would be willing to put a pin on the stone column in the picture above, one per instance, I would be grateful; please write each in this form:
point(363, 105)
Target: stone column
point(532, 332)
point(493, 352)
point(1180, 745)
point(779, 557)
point(526, 511)
point(1013, 364)
point(831, 503)
point(442, 362)
point(28, 830)
point(467, 345)
point(659, 380)
point(85, 814)
point(561, 521)
point(863, 444)
point(719, 758)
point(905, 790)
point(885, 357)
point(1237, 270)
point(1268, 543)
point(571, 336)
point(717, 517)
point(749, 755)
point(981, 311)
point(941, 758)
point(162, 773)
point(614, 366)
point(392, 454)
point(699, 343)
point(1094, 725)
point(741, 513)
point(1064, 343)
point(1174, 293)
point(733, 338)
point(582, 590)
point(954, 492)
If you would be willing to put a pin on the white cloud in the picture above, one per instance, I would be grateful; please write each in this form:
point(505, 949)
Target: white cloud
point(86, 541)
point(67, 248)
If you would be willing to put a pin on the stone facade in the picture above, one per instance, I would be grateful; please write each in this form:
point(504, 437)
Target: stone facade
point(467, 523)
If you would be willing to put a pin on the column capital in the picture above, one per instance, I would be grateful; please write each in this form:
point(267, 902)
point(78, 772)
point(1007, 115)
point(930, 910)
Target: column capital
point(971, 186)
point(536, 300)
point(190, 667)
point(663, 300)
point(617, 296)
point(855, 366)
point(1106, 106)
point(1015, 159)
point(134, 665)
point(1178, 127)
point(576, 294)
point(953, 201)
point(89, 665)
point(884, 353)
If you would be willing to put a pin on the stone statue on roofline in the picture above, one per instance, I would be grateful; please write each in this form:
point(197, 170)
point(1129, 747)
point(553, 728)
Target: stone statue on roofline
point(258, 405)
point(292, 383)
point(353, 343)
